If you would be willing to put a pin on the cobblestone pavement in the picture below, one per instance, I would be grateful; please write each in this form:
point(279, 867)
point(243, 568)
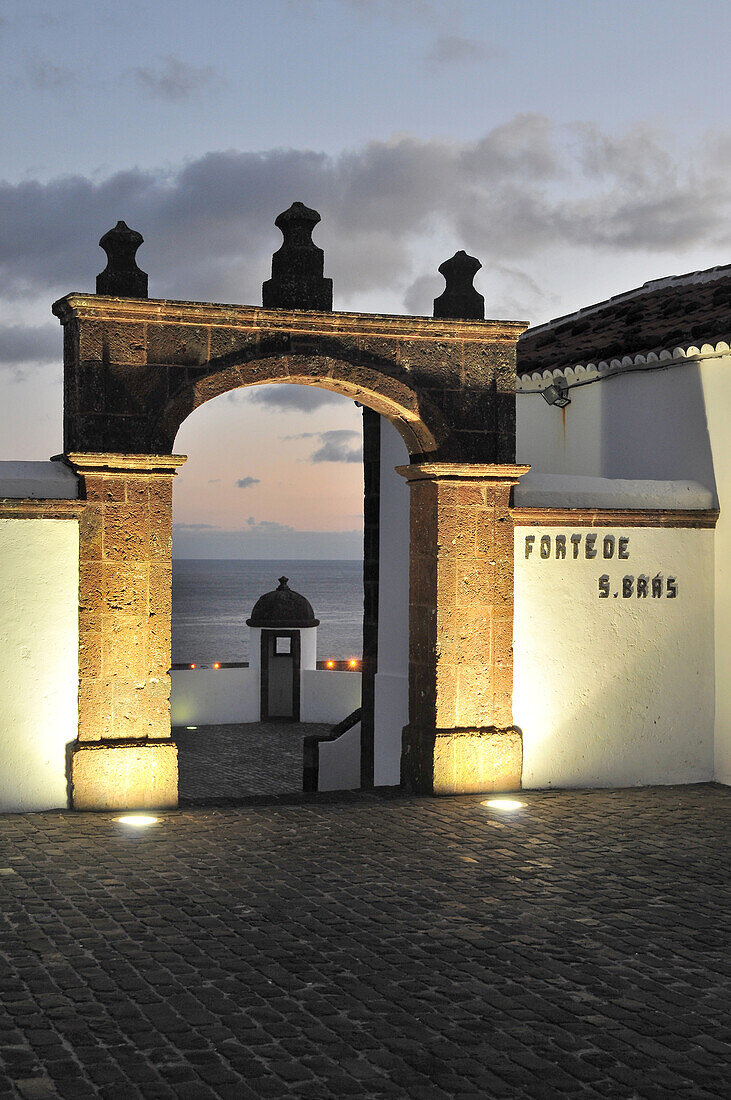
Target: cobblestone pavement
point(230, 763)
point(377, 946)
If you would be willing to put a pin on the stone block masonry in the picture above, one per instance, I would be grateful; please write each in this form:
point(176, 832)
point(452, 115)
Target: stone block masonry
point(136, 368)
point(125, 547)
point(460, 736)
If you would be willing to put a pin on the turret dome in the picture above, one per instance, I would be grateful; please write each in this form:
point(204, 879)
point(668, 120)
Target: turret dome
point(282, 608)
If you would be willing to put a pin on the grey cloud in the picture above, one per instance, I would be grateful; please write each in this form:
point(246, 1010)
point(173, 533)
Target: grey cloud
point(340, 445)
point(527, 148)
point(453, 49)
point(266, 527)
point(391, 9)
point(173, 79)
point(525, 186)
point(247, 482)
point(195, 527)
point(419, 296)
point(286, 398)
point(33, 344)
point(45, 76)
point(337, 445)
point(636, 157)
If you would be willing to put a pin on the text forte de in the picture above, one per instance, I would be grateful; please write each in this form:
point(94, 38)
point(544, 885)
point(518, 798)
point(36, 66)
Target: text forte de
point(590, 545)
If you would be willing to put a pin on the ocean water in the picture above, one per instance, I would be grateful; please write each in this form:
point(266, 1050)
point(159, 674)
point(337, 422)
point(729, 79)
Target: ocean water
point(213, 599)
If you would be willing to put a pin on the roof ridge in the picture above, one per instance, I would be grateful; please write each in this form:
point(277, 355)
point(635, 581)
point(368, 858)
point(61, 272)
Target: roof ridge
point(706, 276)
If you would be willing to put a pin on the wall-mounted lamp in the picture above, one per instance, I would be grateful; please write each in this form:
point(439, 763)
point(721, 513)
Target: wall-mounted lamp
point(557, 393)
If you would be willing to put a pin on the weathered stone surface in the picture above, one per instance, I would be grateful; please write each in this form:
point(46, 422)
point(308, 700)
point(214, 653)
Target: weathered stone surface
point(460, 648)
point(232, 345)
point(477, 760)
point(448, 385)
point(125, 777)
point(181, 345)
point(124, 597)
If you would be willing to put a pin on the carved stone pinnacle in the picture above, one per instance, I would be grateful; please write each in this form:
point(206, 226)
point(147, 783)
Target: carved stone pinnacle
point(297, 267)
point(122, 278)
point(459, 299)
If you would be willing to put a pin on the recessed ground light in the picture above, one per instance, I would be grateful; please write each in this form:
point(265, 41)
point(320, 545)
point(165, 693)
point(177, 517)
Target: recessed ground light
point(137, 819)
point(503, 804)
point(191, 727)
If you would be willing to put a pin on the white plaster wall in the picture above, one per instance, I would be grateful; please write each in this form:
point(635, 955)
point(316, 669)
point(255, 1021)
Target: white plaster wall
point(339, 762)
point(328, 696)
point(560, 441)
point(647, 424)
point(391, 715)
point(254, 647)
point(575, 491)
point(392, 685)
point(716, 376)
point(214, 696)
point(308, 647)
point(39, 644)
point(614, 692)
point(665, 425)
point(654, 425)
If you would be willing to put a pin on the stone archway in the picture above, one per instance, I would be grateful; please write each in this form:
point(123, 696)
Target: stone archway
point(136, 367)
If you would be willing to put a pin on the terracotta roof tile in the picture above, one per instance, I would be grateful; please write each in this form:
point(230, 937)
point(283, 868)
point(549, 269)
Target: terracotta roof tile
point(666, 313)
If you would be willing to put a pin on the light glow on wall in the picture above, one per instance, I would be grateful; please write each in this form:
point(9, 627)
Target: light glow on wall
point(625, 695)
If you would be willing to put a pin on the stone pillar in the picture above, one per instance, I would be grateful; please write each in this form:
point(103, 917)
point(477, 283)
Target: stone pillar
point(460, 736)
point(124, 757)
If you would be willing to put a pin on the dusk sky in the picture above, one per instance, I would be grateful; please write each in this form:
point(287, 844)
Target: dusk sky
point(577, 147)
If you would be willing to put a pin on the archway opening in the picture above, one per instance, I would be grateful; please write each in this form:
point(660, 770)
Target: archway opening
point(136, 369)
point(273, 487)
